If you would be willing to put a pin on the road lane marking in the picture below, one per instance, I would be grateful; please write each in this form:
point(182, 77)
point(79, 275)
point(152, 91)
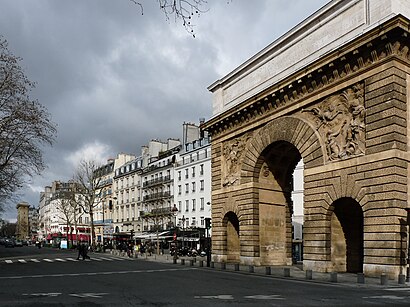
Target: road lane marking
point(22, 261)
point(8, 261)
point(265, 297)
point(109, 259)
point(96, 273)
point(61, 260)
point(97, 259)
point(48, 260)
point(34, 260)
point(388, 297)
point(218, 297)
point(53, 294)
point(84, 295)
point(72, 259)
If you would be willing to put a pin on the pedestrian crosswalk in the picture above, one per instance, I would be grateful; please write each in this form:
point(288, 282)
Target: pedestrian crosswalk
point(59, 260)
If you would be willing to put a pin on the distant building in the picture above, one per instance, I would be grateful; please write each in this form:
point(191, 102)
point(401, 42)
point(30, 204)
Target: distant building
point(60, 214)
point(22, 230)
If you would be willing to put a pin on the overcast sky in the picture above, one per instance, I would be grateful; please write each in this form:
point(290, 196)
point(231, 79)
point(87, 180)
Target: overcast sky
point(114, 79)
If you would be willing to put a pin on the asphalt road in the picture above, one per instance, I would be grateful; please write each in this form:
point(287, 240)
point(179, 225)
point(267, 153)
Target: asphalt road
point(55, 278)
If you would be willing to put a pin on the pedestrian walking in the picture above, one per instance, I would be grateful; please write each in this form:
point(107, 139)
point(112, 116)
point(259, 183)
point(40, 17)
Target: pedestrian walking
point(80, 250)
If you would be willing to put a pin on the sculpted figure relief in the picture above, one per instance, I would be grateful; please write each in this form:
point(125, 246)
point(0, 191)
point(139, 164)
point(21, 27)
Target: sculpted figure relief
point(340, 120)
point(232, 153)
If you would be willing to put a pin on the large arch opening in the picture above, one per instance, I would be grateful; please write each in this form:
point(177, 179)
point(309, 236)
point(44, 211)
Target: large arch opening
point(346, 236)
point(276, 207)
point(233, 246)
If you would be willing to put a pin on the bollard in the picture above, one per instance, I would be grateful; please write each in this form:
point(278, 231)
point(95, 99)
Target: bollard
point(286, 272)
point(236, 266)
point(402, 279)
point(360, 278)
point(383, 279)
point(251, 269)
point(223, 266)
point(309, 274)
point(212, 264)
point(333, 276)
point(201, 263)
point(174, 261)
point(191, 262)
point(182, 261)
point(268, 270)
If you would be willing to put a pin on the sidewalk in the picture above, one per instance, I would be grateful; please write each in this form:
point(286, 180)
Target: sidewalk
point(294, 272)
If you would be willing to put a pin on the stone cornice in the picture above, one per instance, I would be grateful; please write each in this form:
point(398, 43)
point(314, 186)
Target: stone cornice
point(388, 40)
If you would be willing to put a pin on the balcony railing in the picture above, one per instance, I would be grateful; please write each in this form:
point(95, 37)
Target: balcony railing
point(156, 196)
point(156, 181)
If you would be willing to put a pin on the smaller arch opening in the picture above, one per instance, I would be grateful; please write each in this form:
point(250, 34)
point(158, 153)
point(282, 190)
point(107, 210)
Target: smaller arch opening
point(231, 223)
point(347, 236)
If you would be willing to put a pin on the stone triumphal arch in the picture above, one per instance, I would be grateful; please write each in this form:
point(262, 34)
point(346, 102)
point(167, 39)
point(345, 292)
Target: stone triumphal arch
point(334, 93)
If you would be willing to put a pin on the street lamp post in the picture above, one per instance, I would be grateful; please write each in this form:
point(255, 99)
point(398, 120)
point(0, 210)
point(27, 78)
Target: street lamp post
point(183, 232)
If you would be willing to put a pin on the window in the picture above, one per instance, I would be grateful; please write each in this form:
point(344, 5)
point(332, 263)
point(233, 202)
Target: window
point(202, 221)
point(202, 204)
point(193, 172)
point(186, 187)
point(179, 175)
point(193, 223)
point(202, 184)
point(180, 206)
point(201, 169)
point(193, 187)
point(186, 205)
point(186, 173)
point(193, 205)
point(179, 190)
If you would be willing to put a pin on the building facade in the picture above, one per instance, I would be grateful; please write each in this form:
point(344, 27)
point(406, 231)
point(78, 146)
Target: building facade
point(192, 182)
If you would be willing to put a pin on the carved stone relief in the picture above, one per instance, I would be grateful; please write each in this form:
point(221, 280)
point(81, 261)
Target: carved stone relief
point(339, 119)
point(232, 153)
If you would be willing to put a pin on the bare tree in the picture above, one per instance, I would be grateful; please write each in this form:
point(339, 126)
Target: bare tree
point(66, 208)
point(89, 191)
point(180, 10)
point(25, 126)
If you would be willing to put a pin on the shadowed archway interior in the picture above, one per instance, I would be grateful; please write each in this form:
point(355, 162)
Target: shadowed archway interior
point(278, 163)
point(347, 236)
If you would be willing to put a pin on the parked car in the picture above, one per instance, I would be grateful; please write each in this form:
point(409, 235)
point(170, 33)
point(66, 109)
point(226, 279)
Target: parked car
point(9, 243)
point(18, 243)
point(25, 242)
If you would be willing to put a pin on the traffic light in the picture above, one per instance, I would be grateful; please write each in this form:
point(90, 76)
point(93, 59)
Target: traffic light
point(208, 223)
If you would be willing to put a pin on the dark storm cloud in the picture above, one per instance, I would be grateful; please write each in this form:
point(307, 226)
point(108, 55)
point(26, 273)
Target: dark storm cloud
point(114, 79)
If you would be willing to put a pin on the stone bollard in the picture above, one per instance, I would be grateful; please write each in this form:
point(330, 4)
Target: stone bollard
point(286, 272)
point(182, 261)
point(191, 262)
point(201, 263)
point(309, 274)
point(223, 266)
point(236, 266)
point(402, 279)
point(268, 270)
point(251, 269)
point(383, 279)
point(360, 278)
point(333, 277)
